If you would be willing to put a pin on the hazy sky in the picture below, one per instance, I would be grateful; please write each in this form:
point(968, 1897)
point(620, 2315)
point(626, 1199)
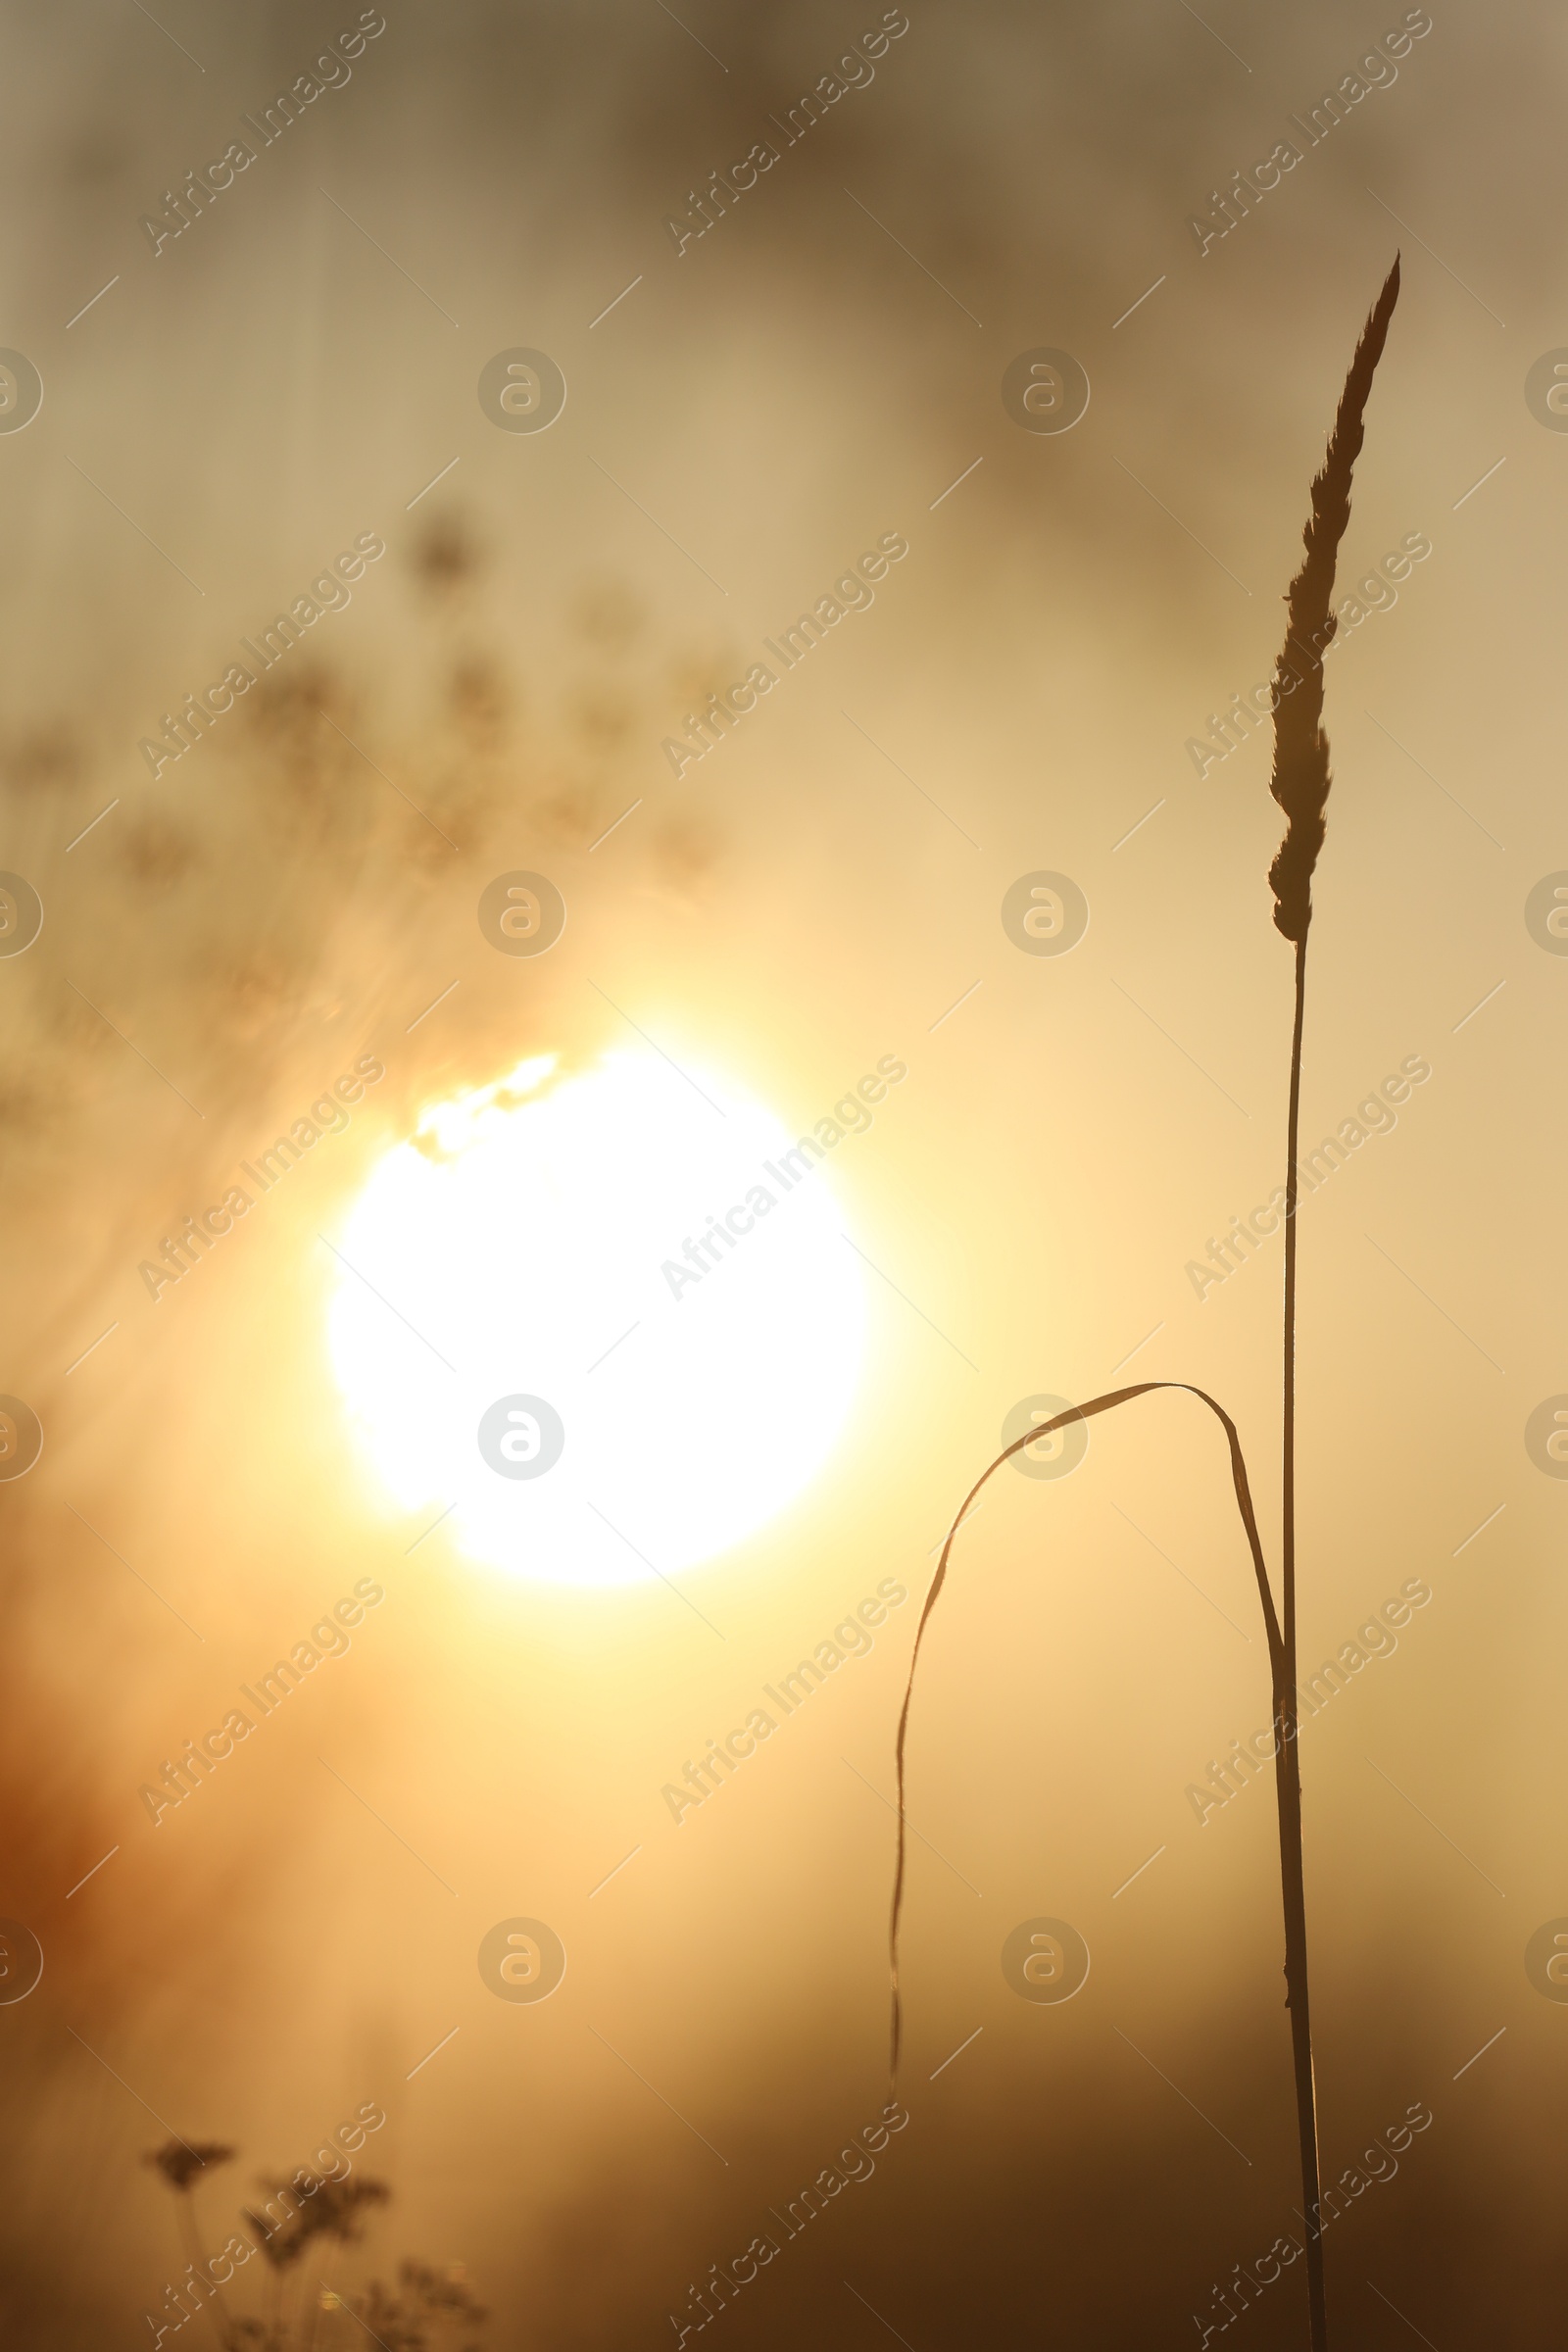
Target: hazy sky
point(312, 369)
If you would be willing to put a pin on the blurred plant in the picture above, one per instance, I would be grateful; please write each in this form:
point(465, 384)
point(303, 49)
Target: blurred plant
point(329, 2209)
point(429, 2311)
point(333, 2211)
point(1301, 784)
point(181, 2165)
point(427, 2300)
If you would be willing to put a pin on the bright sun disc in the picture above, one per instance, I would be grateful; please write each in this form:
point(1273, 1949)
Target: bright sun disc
point(520, 1333)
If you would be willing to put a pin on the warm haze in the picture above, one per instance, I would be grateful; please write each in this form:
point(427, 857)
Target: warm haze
point(636, 931)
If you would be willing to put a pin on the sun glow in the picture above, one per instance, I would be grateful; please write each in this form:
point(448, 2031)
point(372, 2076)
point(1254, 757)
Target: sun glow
point(599, 1318)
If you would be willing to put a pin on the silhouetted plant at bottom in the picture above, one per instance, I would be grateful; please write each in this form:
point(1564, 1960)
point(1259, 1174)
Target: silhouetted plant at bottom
point(430, 2310)
point(425, 2300)
point(335, 2212)
point(1300, 783)
point(182, 2166)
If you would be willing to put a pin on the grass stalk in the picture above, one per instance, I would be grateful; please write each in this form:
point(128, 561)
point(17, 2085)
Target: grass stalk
point(218, 2320)
point(1300, 783)
point(1287, 1727)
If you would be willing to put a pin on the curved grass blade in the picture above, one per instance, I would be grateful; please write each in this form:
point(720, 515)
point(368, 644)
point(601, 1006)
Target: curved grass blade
point(1078, 1412)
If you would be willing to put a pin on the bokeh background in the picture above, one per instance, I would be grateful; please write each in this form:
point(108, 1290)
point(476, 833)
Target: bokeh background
point(293, 371)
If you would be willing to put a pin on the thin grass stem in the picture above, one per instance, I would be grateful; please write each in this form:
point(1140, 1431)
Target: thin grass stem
point(193, 2247)
point(1287, 1754)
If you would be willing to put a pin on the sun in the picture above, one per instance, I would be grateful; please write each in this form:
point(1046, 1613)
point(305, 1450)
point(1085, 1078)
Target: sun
point(609, 1322)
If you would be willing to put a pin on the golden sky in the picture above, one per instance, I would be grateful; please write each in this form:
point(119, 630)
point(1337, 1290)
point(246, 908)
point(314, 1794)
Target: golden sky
point(778, 358)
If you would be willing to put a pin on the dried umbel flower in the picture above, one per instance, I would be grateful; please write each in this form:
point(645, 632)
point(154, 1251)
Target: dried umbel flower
point(180, 2165)
point(325, 2209)
point(1301, 779)
point(424, 2311)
